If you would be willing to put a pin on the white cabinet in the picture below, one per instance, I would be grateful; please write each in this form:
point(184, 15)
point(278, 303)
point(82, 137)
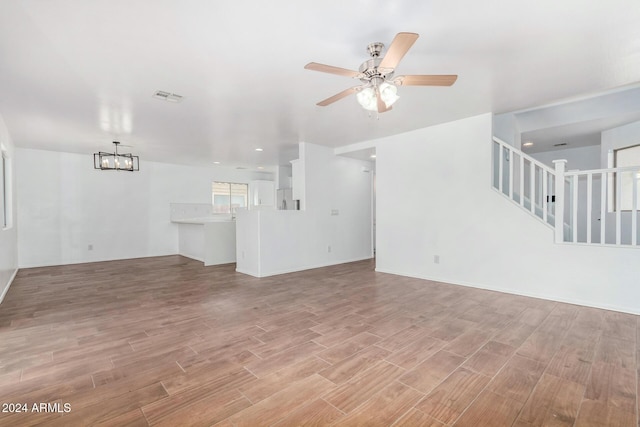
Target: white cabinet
point(262, 193)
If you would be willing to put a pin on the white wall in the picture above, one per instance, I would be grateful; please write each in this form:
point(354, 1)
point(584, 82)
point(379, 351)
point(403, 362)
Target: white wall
point(65, 205)
point(8, 237)
point(505, 127)
point(582, 158)
point(297, 240)
point(620, 137)
point(283, 173)
point(434, 197)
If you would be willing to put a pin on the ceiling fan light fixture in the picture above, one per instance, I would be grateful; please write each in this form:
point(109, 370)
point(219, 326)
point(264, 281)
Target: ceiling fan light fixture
point(367, 96)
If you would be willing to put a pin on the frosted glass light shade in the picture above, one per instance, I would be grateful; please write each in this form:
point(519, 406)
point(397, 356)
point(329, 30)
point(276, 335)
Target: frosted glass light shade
point(389, 94)
point(367, 99)
point(367, 96)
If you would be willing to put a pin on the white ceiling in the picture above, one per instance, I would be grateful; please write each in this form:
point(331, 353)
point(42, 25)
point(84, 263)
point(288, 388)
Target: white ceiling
point(75, 75)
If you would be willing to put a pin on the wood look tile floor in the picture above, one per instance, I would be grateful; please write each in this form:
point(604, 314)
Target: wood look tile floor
point(166, 341)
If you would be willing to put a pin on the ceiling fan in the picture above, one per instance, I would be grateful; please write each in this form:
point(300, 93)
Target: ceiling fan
point(379, 89)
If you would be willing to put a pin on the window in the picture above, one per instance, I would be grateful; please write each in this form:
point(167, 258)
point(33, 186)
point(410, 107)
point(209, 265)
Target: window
point(228, 196)
point(625, 157)
point(5, 188)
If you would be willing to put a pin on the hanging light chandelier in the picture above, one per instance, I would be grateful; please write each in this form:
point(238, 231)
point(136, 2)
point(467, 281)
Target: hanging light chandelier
point(116, 161)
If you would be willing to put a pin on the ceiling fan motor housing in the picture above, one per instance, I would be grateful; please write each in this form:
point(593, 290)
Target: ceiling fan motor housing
point(369, 70)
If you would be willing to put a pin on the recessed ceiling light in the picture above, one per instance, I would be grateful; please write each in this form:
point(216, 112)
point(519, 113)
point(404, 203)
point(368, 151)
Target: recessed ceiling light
point(216, 163)
point(258, 149)
point(527, 144)
point(260, 167)
point(373, 156)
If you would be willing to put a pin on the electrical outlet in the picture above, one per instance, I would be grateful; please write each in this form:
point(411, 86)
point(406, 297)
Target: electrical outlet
point(335, 212)
point(90, 247)
point(436, 259)
point(329, 248)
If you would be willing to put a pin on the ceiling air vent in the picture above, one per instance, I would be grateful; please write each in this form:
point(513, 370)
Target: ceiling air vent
point(167, 96)
point(562, 144)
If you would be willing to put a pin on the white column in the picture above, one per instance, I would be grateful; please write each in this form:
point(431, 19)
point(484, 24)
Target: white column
point(559, 190)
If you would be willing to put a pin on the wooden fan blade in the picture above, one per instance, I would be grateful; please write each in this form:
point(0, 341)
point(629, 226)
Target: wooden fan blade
point(339, 96)
point(382, 107)
point(426, 80)
point(332, 70)
point(401, 43)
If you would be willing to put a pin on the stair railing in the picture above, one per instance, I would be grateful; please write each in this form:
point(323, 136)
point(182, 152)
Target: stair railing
point(524, 180)
point(598, 206)
point(602, 205)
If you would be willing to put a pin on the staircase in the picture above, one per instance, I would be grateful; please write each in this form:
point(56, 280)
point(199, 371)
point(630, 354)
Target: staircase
point(589, 203)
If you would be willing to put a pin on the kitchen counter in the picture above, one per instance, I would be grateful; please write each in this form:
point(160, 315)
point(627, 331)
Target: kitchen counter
point(202, 220)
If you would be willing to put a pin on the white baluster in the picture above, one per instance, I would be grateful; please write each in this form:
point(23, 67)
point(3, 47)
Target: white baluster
point(521, 180)
point(545, 194)
point(618, 191)
point(589, 203)
point(634, 208)
point(559, 193)
point(500, 166)
point(574, 208)
point(510, 174)
point(532, 187)
point(603, 207)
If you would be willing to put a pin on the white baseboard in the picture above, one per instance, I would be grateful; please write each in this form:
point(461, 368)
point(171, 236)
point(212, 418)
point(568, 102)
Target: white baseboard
point(67, 262)
point(247, 272)
point(193, 257)
point(8, 285)
point(628, 310)
point(302, 268)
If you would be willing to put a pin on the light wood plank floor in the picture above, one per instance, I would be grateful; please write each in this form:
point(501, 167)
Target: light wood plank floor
point(166, 341)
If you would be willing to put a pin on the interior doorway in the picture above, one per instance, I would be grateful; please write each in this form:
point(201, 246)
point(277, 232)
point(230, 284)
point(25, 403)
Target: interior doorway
point(368, 156)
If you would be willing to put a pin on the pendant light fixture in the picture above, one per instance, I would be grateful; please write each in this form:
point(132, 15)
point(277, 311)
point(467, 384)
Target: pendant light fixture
point(116, 161)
